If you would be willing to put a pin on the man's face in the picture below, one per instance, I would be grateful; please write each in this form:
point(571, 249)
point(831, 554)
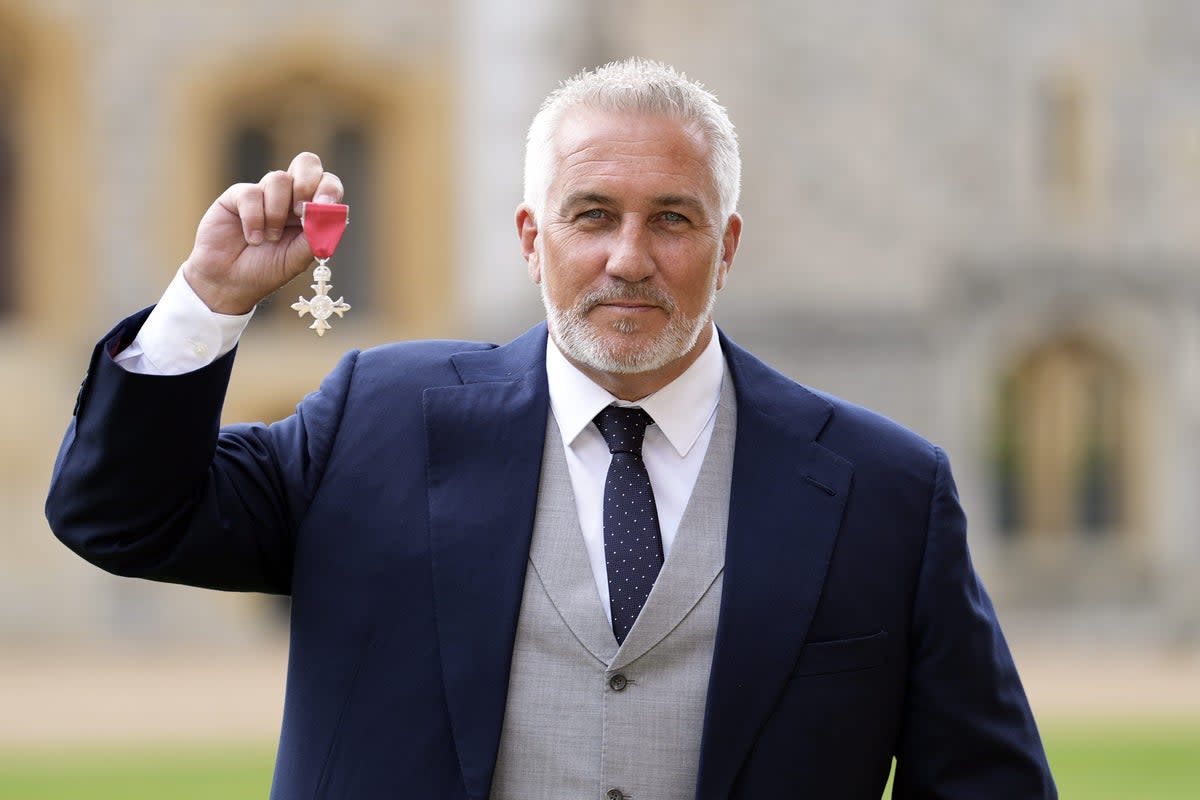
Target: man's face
point(630, 249)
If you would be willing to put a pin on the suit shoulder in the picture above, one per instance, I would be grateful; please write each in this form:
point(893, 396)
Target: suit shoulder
point(867, 437)
point(423, 349)
point(849, 430)
point(423, 360)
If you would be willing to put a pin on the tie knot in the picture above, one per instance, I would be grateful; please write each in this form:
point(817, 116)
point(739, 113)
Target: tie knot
point(623, 428)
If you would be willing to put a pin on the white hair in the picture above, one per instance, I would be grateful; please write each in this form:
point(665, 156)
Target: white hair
point(635, 85)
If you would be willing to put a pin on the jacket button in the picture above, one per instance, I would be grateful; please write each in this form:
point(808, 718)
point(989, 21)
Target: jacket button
point(618, 683)
point(614, 794)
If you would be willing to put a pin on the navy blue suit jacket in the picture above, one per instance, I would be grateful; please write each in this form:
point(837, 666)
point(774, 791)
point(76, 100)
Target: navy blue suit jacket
point(396, 507)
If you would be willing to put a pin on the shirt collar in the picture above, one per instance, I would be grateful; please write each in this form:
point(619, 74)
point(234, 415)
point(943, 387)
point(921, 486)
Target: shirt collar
point(681, 408)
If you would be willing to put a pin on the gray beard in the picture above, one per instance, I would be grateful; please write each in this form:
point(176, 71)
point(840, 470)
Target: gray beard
point(583, 342)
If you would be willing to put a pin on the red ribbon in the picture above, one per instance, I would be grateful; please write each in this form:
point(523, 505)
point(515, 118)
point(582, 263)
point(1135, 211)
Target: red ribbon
point(324, 224)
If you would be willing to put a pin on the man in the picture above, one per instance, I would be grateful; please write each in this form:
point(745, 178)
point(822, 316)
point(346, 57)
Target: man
point(739, 588)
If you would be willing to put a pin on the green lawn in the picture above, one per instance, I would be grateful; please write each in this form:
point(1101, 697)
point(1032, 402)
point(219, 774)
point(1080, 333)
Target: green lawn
point(1117, 761)
point(146, 773)
point(1131, 761)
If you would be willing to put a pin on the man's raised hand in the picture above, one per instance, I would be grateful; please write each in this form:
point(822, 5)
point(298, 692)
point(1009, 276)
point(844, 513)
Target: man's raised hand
point(250, 243)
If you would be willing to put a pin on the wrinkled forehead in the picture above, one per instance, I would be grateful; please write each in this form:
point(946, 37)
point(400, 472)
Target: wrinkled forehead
point(591, 141)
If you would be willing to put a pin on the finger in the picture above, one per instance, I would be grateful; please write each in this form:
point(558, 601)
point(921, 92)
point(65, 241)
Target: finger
point(248, 202)
point(306, 171)
point(277, 202)
point(329, 190)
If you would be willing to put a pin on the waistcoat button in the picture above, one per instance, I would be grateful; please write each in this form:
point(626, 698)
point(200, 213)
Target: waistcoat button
point(614, 794)
point(618, 682)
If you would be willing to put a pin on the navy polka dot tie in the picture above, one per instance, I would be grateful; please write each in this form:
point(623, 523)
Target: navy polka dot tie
point(632, 542)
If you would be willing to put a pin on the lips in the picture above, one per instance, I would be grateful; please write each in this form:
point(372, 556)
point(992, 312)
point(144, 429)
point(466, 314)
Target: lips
point(630, 306)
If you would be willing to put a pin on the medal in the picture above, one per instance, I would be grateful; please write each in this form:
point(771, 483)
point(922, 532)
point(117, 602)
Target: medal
point(324, 224)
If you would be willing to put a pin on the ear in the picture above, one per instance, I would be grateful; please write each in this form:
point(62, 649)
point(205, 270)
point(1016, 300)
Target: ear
point(527, 231)
point(729, 246)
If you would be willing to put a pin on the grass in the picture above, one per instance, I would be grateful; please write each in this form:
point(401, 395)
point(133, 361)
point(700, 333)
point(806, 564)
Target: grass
point(143, 773)
point(1102, 761)
point(1125, 761)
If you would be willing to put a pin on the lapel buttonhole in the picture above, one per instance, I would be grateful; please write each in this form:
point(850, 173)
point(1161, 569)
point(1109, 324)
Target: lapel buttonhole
point(829, 490)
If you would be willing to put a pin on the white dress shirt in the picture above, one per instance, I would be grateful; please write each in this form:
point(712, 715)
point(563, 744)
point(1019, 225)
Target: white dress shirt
point(182, 334)
point(684, 412)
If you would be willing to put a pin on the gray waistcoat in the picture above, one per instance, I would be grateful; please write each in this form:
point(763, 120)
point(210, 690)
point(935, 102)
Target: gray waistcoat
point(584, 717)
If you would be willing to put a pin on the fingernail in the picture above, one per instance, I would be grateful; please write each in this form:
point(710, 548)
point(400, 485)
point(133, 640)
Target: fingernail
point(325, 198)
point(298, 209)
point(255, 237)
point(273, 234)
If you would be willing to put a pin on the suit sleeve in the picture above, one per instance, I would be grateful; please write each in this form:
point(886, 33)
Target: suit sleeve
point(146, 484)
point(968, 731)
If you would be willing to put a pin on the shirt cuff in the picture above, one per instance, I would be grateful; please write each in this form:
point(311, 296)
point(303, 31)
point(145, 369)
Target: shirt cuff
point(181, 334)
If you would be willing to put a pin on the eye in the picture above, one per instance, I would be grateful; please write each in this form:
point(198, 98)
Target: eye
point(592, 213)
point(673, 217)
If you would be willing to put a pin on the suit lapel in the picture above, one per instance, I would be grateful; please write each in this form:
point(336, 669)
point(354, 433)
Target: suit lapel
point(786, 502)
point(484, 443)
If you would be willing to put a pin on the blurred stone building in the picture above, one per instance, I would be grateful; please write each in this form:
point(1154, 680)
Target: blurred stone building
point(980, 218)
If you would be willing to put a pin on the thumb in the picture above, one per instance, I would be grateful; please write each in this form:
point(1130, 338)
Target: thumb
point(298, 256)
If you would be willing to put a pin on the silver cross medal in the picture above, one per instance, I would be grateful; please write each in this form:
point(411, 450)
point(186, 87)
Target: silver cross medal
point(323, 225)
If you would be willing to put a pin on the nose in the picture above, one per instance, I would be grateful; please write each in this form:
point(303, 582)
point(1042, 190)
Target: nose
point(631, 258)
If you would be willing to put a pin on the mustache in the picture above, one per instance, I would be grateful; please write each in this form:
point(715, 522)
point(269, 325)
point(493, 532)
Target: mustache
point(626, 293)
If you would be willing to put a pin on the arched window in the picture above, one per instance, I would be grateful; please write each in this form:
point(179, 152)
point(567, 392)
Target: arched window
point(267, 129)
point(384, 130)
point(1061, 443)
point(10, 102)
point(8, 189)
point(47, 279)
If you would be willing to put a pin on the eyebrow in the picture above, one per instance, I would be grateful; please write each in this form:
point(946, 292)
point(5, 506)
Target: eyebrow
point(585, 198)
point(679, 200)
point(662, 201)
